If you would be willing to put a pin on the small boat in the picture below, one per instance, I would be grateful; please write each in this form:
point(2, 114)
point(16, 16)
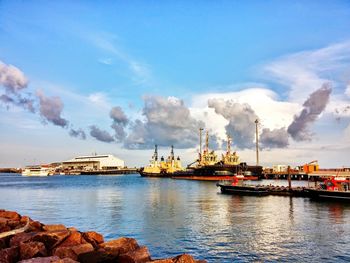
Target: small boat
point(37, 170)
point(236, 187)
point(333, 187)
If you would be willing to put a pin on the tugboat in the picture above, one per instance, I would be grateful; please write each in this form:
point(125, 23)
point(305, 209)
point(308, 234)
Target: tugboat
point(237, 187)
point(333, 188)
point(208, 168)
point(164, 168)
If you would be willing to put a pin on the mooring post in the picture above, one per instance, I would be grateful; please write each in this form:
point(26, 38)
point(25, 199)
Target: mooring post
point(289, 179)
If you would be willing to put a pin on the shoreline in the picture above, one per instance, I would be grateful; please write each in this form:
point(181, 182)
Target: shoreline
point(27, 241)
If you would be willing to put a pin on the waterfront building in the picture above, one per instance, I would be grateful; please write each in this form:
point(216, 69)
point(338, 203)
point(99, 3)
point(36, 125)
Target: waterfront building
point(93, 162)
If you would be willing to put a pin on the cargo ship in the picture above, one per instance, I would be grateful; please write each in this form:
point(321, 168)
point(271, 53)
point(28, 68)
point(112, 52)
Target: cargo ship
point(209, 168)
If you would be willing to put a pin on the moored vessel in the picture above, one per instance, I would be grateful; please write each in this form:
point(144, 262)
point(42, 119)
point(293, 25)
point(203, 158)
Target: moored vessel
point(209, 168)
point(37, 170)
point(236, 186)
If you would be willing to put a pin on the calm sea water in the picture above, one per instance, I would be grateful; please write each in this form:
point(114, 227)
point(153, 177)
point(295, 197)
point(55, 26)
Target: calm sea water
point(177, 216)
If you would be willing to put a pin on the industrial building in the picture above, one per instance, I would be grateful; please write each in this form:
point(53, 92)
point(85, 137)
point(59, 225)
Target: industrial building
point(93, 163)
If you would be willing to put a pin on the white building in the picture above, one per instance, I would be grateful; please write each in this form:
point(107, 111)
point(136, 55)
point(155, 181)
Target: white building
point(93, 162)
point(278, 168)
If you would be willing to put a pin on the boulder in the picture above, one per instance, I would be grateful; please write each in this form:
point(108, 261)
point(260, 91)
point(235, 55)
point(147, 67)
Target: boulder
point(184, 258)
point(93, 238)
point(35, 226)
point(51, 238)
point(41, 260)
point(21, 238)
point(98, 256)
point(83, 248)
point(9, 255)
point(3, 222)
point(75, 238)
point(32, 249)
point(10, 215)
point(120, 246)
point(65, 252)
point(166, 260)
point(54, 227)
point(139, 255)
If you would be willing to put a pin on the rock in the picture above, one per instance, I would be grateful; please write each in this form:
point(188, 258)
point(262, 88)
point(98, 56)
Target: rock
point(3, 222)
point(65, 260)
point(72, 229)
point(184, 258)
point(35, 226)
point(32, 249)
point(83, 248)
point(54, 227)
point(75, 238)
point(21, 238)
point(51, 238)
point(3, 243)
point(41, 260)
point(93, 238)
point(73, 252)
point(98, 256)
point(10, 215)
point(166, 260)
point(65, 252)
point(139, 255)
point(120, 246)
point(5, 229)
point(9, 255)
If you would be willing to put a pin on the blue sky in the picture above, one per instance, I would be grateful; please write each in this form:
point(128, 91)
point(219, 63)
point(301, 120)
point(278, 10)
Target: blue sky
point(95, 56)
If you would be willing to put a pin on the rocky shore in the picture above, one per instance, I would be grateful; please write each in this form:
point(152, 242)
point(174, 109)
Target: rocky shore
point(27, 241)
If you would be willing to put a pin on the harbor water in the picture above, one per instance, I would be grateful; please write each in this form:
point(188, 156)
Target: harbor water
point(171, 217)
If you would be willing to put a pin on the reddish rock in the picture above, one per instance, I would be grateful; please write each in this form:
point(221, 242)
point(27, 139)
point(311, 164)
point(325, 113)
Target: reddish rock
point(184, 258)
point(75, 238)
point(41, 260)
point(32, 249)
point(9, 255)
point(10, 215)
point(139, 255)
point(3, 243)
point(65, 252)
point(51, 238)
point(93, 237)
point(120, 246)
point(35, 226)
point(65, 260)
point(54, 227)
point(21, 238)
point(83, 248)
point(98, 256)
point(72, 229)
point(3, 222)
point(166, 260)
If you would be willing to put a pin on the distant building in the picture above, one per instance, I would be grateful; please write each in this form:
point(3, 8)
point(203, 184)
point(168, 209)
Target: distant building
point(279, 168)
point(93, 162)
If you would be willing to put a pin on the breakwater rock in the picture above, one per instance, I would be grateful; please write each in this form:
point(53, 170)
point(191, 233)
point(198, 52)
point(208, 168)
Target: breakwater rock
point(27, 241)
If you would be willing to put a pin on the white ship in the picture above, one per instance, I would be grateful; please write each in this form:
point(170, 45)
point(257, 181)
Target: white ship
point(36, 170)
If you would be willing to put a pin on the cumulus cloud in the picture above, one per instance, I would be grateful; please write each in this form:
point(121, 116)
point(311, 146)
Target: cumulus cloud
point(120, 120)
point(241, 117)
point(276, 138)
point(312, 108)
point(12, 78)
point(79, 133)
point(167, 122)
point(51, 109)
point(100, 135)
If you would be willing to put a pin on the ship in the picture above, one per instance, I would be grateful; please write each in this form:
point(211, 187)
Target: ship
point(209, 168)
point(162, 168)
point(37, 170)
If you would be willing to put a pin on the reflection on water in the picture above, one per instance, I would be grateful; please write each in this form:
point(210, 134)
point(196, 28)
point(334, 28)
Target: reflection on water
point(175, 216)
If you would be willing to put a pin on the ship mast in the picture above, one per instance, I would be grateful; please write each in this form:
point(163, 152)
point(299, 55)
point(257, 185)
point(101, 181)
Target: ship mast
point(172, 156)
point(228, 144)
point(200, 144)
point(207, 141)
point(155, 155)
point(257, 141)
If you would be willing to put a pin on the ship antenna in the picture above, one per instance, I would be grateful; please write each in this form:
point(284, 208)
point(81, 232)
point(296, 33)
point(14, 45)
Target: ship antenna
point(257, 141)
point(200, 144)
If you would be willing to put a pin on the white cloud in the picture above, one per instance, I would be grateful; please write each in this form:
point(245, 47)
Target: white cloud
point(100, 100)
point(304, 72)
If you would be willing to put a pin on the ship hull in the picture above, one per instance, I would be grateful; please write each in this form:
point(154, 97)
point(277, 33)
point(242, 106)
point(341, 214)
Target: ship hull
point(159, 175)
point(329, 195)
point(243, 190)
point(219, 172)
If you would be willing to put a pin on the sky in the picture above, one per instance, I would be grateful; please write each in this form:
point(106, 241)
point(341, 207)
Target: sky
point(83, 77)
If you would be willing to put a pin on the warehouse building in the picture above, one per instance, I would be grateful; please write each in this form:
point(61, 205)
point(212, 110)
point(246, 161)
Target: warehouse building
point(93, 162)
